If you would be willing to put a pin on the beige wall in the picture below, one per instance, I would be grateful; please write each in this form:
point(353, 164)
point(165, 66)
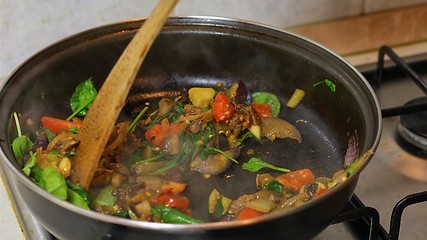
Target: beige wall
point(29, 25)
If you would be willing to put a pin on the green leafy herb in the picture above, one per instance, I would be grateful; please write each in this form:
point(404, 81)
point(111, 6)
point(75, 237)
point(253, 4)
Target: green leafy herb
point(122, 214)
point(50, 135)
point(275, 186)
point(53, 182)
point(79, 190)
point(268, 98)
point(245, 136)
point(255, 164)
point(22, 144)
point(82, 99)
point(139, 159)
point(30, 164)
point(76, 199)
point(187, 149)
point(211, 150)
point(133, 124)
point(177, 111)
point(105, 197)
point(171, 215)
point(328, 83)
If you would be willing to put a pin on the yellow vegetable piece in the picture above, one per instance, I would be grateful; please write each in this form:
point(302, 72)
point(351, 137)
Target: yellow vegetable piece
point(213, 200)
point(201, 97)
point(296, 98)
point(256, 131)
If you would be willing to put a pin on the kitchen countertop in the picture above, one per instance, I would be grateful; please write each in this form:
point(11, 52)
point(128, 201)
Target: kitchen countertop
point(358, 39)
point(350, 38)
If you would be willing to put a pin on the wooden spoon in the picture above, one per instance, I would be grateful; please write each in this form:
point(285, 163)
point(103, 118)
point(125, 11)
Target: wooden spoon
point(102, 116)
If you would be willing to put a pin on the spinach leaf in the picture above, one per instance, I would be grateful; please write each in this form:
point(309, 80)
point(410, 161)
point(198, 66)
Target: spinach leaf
point(76, 199)
point(275, 186)
point(22, 144)
point(79, 190)
point(268, 98)
point(171, 215)
point(82, 99)
point(53, 182)
point(255, 164)
point(30, 164)
point(105, 197)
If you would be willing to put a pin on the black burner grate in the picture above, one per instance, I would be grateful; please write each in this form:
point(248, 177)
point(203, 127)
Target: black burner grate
point(367, 219)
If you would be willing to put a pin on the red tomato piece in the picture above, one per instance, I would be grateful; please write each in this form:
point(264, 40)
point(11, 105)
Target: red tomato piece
point(156, 135)
point(296, 179)
point(321, 191)
point(172, 200)
point(222, 108)
point(159, 133)
point(263, 110)
point(247, 213)
point(57, 125)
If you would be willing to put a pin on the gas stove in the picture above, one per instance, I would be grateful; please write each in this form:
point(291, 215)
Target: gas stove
point(390, 201)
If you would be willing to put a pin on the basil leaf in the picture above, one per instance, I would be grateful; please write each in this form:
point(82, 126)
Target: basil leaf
point(53, 182)
point(171, 215)
point(21, 146)
point(256, 164)
point(76, 199)
point(268, 98)
point(82, 98)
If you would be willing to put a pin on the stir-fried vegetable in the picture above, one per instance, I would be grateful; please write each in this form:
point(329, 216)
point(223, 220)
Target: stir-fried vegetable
point(328, 83)
point(141, 174)
point(266, 99)
point(82, 99)
point(22, 144)
point(296, 98)
point(171, 215)
point(256, 164)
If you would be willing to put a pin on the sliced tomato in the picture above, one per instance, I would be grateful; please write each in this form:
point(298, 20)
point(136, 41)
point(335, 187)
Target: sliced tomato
point(263, 110)
point(248, 213)
point(159, 133)
point(296, 179)
point(321, 191)
point(156, 135)
point(57, 125)
point(172, 200)
point(222, 108)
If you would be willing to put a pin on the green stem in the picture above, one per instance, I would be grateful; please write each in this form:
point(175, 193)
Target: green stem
point(18, 125)
point(82, 106)
point(133, 124)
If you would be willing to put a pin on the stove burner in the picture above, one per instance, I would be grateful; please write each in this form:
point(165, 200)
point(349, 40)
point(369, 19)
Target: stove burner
point(413, 127)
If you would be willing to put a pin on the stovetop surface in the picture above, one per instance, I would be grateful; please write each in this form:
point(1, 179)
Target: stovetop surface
point(393, 172)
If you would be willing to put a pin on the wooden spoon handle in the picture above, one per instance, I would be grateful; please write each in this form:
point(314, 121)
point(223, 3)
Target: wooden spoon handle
point(102, 116)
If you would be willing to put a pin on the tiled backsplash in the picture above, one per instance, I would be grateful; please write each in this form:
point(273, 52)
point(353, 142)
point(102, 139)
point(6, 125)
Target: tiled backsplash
point(28, 26)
